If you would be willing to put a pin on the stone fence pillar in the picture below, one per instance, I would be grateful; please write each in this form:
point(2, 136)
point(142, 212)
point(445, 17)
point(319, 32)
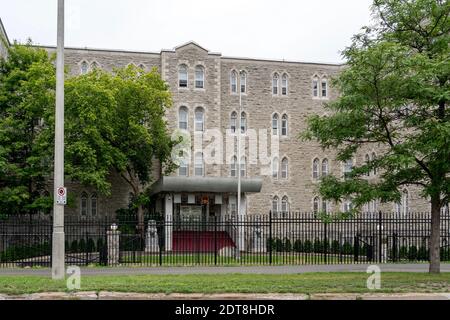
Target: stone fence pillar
point(113, 241)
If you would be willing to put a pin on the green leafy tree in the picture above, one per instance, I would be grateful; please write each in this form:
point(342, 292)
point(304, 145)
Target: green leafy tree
point(394, 94)
point(27, 81)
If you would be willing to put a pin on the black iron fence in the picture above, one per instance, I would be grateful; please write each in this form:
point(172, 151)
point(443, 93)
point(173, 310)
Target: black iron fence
point(271, 239)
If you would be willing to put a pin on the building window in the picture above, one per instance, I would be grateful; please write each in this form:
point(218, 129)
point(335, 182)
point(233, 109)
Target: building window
point(325, 167)
point(183, 170)
point(275, 124)
point(275, 168)
point(316, 205)
point(199, 77)
point(284, 168)
point(141, 66)
point(284, 85)
point(233, 122)
point(324, 87)
point(284, 125)
point(325, 207)
point(243, 122)
point(233, 81)
point(199, 120)
point(243, 167)
point(402, 207)
point(94, 204)
point(315, 87)
point(285, 205)
point(347, 206)
point(243, 82)
point(183, 118)
point(84, 67)
point(374, 156)
point(94, 65)
point(233, 166)
point(199, 164)
point(84, 204)
point(315, 171)
point(275, 204)
point(348, 167)
point(183, 76)
point(368, 163)
point(275, 84)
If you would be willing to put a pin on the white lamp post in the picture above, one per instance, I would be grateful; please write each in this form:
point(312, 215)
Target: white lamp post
point(58, 208)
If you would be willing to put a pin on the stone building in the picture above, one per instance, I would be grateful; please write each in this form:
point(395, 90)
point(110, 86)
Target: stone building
point(277, 97)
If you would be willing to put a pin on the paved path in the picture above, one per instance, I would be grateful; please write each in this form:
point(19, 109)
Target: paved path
point(228, 270)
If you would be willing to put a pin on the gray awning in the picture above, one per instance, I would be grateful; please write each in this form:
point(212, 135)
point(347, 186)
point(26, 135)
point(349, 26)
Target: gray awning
point(205, 184)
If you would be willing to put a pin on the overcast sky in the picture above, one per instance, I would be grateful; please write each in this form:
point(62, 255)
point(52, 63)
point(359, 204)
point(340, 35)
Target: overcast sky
point(304, 30)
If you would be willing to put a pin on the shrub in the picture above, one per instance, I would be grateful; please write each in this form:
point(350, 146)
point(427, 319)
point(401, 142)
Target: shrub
point(318, 246)
point(307, 247)
point(403, 252)
point(422, 254)
point(90, 245)
point(412, 253)
point(287, 245)
point(298, 246)
point(279, 246)
point(74, 246)
point(82, 246)
point(100, 244)
point(347, 248)
point(335, 246)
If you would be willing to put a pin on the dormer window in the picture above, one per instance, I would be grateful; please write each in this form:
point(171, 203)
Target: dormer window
point(183, 76)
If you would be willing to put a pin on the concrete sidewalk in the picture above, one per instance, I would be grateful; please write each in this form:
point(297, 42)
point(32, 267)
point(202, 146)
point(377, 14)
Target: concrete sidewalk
point(104, 295)
point(94, 271)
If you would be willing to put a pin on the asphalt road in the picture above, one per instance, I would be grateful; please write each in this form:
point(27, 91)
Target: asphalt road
point(224, 270)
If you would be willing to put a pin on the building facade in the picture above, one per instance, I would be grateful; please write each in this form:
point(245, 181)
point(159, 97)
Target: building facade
point(279, 171)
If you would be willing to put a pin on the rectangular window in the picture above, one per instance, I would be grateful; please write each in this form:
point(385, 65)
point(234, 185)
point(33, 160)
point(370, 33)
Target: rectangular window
point(324, 89)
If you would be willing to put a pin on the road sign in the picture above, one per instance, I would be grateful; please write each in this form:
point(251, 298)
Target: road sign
point(61, 194)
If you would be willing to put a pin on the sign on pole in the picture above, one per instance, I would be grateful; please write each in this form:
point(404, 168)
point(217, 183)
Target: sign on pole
point(61, 196)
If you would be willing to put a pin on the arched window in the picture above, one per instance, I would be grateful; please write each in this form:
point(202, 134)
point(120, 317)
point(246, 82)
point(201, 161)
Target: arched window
point(84, 204)
point(243, 82)
point(94, 65)
point(315, 171)
point(199, 166)
point(233, 122)
point(315, 87)
point(374, 157)
point(142, 66)
point(233, 81)
point(324, 88)
point(243, 167)
point(183, 76)
point(183, 118)
point(84, 67)
point(199, 77)
point(284, 85)
point(233, 166)
point(183, 170)
point(285, 204)
point(243, 122)
point(325, 207)
point(275, 84)
point(347, 205)
point(324, 167)
point(275, 168)
point(284, 168)
point(348, 167)
point(94, 208)
point(368, 162)
point(284, 125)
point(199, 119)
point(275, 204)
point(316, 205)
point(275, 124)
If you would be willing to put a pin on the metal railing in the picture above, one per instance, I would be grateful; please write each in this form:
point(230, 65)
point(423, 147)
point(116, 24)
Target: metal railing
point(270, 239)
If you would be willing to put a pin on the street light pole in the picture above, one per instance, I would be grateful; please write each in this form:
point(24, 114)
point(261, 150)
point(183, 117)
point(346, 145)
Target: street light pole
point(238, 255)
point(58, 252)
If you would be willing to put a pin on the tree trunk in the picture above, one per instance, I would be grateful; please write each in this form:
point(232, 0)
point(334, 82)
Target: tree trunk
point(435, 240)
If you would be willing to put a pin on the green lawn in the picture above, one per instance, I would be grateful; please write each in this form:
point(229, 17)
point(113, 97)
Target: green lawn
point(235, 283)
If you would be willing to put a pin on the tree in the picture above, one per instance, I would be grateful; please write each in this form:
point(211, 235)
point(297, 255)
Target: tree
point(394, 93)
point(115, 122)
point(27, 81)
